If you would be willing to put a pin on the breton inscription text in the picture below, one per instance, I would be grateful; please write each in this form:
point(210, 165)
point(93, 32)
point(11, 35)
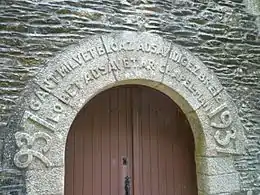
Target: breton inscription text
point(82, 69)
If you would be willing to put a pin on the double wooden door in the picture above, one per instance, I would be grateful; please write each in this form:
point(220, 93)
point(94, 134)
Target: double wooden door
point(130, 140)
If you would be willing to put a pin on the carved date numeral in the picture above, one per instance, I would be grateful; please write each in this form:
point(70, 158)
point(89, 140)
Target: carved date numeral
point(225, 117)
point(225, 133)
point(225, 140)
point(25, 143)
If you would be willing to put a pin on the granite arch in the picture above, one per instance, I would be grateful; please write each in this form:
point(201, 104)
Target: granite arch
point(61, 89)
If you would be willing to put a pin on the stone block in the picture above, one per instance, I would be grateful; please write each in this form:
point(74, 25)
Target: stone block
point(47, 181)
point(215, 165)
point(217, 184)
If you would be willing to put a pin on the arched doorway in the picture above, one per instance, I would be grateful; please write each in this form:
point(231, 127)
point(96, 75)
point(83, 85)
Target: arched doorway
point(130, 140)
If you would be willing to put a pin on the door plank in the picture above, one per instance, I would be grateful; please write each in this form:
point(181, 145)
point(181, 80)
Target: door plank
point(97, 127)
point(69, 168)
point(169, 129)
point(114, 141)
point(162, 159)
point(145, 140)
point(105, 142)
point(129, 135)
point(88, 152)
point(154, 149)
point(169, 153)
point(79, 144)
point(123, 169)
point(137, 153)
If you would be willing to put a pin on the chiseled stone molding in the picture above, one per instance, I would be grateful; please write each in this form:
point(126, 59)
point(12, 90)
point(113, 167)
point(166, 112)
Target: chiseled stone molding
point(72, 78)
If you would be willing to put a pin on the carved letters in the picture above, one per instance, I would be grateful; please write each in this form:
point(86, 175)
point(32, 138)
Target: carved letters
point(162, 51)
point(185, 80)
point(36, 104)
point(117, 65)
point(26, 143)
point(196, 70)
point(120, 56)
point(70, 91)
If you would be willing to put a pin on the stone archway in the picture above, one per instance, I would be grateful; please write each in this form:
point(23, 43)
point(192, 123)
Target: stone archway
point(97, 63)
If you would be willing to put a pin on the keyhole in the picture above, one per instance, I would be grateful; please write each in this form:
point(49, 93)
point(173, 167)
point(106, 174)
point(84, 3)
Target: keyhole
point(124, 161)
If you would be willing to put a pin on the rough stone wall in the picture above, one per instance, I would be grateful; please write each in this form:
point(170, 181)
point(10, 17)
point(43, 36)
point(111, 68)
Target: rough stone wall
point(222, 33)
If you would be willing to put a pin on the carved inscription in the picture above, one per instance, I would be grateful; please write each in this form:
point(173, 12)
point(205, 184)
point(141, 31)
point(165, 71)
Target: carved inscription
point(120, 56)
point(82, 58)
point(119, 64)
point(135, 64)
point(71, 91)
point(36, 104)
point(25, 143)
point(30, 146)
point(222, 136)
point(196, 70)
point(146, 47)
point(221, 120)
point(186, 81)
point(225, 117)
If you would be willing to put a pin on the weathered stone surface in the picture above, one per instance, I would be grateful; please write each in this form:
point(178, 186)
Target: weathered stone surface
point(43, 123)
point(221, 33)
point(58, 93)
point(226, 183)
point(137, 56)
point(77, 70)
point(215, 165)
point(39, 185)
point(12, 182)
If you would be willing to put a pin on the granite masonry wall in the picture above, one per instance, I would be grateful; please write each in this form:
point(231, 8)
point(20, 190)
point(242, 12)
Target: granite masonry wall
point(224, 34)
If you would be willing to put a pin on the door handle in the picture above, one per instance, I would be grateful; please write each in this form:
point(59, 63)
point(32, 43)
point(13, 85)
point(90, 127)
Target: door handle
point(127, 185)
point(127, 180)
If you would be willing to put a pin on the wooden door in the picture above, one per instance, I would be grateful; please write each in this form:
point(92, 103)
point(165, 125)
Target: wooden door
point(135, 132)
point(163, 146)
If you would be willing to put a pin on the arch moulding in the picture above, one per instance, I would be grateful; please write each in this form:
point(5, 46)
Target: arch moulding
point(73, 77)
